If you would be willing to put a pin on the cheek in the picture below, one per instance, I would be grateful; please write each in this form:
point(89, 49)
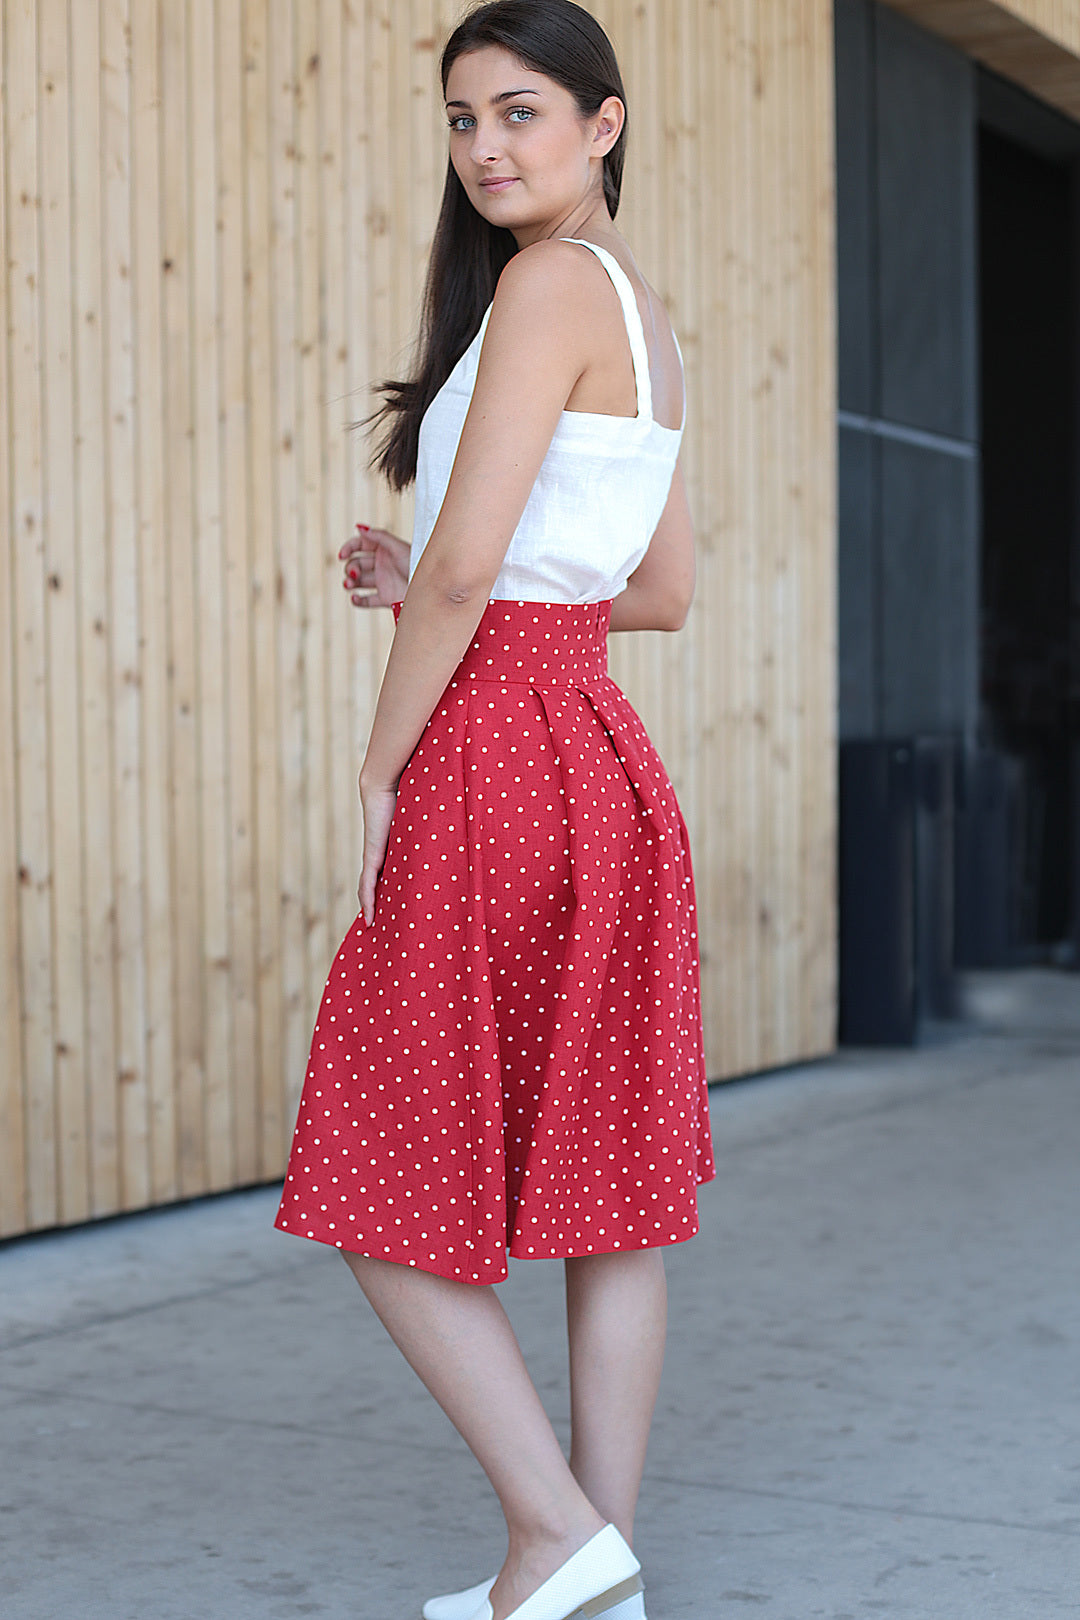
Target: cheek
point(563, 151)
point(549, 152)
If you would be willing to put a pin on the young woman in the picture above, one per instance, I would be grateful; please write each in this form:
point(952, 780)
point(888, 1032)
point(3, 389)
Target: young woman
point(508, 1055)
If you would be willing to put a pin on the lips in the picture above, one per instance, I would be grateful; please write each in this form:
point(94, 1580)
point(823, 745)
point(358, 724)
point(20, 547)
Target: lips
point(499, 182)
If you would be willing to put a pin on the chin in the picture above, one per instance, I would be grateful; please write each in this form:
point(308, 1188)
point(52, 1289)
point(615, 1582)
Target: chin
point(500, 211)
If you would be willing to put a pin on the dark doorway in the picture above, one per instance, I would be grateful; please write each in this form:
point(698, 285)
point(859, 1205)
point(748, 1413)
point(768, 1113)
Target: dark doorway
point(1028, 593)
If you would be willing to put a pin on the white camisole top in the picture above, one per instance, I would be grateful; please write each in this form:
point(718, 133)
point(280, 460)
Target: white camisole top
point(599, 493)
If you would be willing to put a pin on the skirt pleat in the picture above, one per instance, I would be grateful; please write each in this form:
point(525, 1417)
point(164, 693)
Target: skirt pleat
point(511, 1056)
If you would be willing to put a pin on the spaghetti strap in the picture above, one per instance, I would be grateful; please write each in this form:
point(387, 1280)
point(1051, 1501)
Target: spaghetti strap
point(682, 371)
point(635, 330)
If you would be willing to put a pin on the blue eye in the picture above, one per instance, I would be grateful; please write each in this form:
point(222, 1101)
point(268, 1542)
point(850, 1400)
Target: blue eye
point(457, 121)
point(528, 111)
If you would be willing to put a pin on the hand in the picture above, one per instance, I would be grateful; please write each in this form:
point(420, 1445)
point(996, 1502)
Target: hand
point(376, 563)
point(378, 803)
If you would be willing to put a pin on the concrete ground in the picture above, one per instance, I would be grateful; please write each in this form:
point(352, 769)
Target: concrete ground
point(871, 1403)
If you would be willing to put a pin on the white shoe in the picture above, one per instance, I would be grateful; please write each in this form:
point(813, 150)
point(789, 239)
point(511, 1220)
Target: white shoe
point(459, 1605)
point(592, 1585)
point(463, 1605)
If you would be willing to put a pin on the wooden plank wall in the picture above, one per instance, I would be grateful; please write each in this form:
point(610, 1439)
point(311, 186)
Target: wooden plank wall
point(1034, 42)
point(214, 218)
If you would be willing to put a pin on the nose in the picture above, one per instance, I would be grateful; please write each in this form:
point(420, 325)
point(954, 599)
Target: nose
point(485, 146)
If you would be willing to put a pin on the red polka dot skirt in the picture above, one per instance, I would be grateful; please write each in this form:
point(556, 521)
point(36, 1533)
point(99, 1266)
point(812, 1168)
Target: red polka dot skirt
point(511, 1057)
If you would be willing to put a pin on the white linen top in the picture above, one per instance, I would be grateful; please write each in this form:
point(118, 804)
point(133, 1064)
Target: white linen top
point(598, 495)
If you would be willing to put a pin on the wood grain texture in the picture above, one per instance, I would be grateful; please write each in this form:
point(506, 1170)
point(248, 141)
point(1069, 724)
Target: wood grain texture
point(240, 899)
point(159, 911)
point(63, 676)
point(1036, 43)
point(123, 617)
point(90, 550)
point(201, 288)
point(13, 1167)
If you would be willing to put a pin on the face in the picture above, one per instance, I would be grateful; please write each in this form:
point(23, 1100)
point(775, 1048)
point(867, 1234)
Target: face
point(519, 146)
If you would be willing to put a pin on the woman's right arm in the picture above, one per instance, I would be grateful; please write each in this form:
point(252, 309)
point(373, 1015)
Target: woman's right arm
point(659, 591)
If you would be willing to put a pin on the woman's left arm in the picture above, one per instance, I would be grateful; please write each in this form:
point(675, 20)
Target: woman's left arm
point(535, 349)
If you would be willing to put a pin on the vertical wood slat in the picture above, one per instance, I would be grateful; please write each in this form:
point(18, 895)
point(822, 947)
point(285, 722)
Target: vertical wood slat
point(335, 26)
point(384, 336)
point(208, 573)
point(90, 543)
point(240, 898)
point(178, 270)
point(259, 385)
point(13, 1165)
point(159, 932)
point(741, 616)
point(712, 521)
point(62, 676)
point(329, 233)
point(26, 432)
point(682, 668)
point(123, 610)
point(768, 538)
point(290, 785)
point(311, 541)
point(237, 251)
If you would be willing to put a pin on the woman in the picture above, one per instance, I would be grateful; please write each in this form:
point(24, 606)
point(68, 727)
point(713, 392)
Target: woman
point(508, 1054)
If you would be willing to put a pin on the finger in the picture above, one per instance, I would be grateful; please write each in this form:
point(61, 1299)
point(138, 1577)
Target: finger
point(367, 897)
point(357, 543)
point(357, 579)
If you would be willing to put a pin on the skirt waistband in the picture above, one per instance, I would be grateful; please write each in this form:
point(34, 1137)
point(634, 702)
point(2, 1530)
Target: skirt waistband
point(536, 643)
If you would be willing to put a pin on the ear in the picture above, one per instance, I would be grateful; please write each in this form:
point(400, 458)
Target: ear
point(609, 122)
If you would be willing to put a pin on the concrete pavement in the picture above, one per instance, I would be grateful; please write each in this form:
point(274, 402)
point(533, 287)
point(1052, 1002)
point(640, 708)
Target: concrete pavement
point(871, 1403)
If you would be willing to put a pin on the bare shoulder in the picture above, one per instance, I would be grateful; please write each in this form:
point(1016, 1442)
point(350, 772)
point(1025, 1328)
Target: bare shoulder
point(553, 278)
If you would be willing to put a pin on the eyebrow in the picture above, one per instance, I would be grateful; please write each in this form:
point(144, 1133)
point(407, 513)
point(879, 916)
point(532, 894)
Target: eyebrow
point(507, 95)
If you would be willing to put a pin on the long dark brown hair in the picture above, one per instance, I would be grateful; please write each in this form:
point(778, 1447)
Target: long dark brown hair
point(562, 41)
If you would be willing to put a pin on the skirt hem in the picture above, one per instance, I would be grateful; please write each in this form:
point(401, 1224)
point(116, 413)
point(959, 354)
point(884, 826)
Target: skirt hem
point(437, 1268)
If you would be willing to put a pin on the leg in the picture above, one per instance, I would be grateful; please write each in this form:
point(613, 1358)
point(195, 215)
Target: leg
point(458, 1339)
point(616, 1307)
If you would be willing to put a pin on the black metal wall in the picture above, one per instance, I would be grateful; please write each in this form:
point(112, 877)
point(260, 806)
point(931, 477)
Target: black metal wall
point(908, 379)
point(959, 479)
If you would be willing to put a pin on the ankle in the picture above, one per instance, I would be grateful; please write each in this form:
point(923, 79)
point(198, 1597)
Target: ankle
point(562, 1528)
